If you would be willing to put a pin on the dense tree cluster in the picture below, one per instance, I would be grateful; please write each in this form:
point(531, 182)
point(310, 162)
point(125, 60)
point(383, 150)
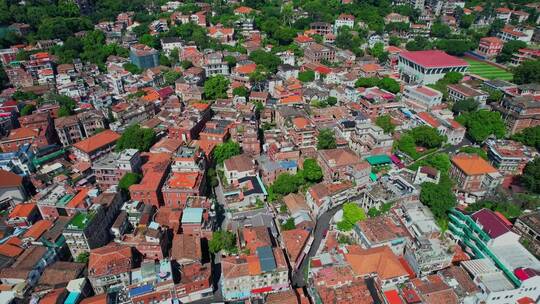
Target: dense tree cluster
point(352, 213)
point(483, 124)
point(385, 122)
point(223, 240)
point(529, 136)
point(326, 139)
point(386, 83)
point(225, 151)
point(135, 137)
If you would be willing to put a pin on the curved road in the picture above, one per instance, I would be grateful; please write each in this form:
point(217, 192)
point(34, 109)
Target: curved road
point(321, 225)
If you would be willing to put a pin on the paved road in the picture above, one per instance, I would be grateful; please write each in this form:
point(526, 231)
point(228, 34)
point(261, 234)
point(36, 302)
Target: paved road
point(321, 225)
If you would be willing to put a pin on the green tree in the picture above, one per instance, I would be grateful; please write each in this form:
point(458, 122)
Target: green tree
point(474, 150)
point(171, 76)
point(223, 240)
point(331, 101)
point(28, 109)
point(216, 87)
point(366, 82)
point(326, 140)
point(135, 137)
point(288, 224)
point(4, 80)
point(531, 175)
point(312, 172)
point(529, 137)
point(241, 91)
point(438, 197)
point(82, 257)
point(186, 64)
point(286, 183)
point(465, 105)
point(394, 40)
point(427, 137)
point(418, 44)
point(266, 59)
point(225, 151)
point(385, 122)
point(390, 85)
point(132, 68)
point(440, 30)
point(127, 180)
point(352, 214)
point(466, 21)
point(527, 72)
point(483, 124)
point(509, 49)
point(306, 76)
point(439, 161)
point(508, 209)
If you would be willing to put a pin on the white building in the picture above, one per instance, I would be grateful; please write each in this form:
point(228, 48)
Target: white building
point(424, 95)
point(343, 20)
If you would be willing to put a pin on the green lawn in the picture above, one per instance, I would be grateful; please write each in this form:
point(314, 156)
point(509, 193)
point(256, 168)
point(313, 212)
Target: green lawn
point(488, 71)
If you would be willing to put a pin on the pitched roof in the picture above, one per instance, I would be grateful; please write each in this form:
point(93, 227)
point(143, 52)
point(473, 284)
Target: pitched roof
point(429, 119)
point(491, 223)
point(472, 164)
point(22, 210)
point(433, 59)
point(37, 229)
point(380, 260)
point(97, 141)
point(110, 259)
point(23, 133)
point(294, 241)
point(241, 163)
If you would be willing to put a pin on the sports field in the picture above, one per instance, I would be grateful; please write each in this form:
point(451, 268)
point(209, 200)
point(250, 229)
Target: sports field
point(487, 71)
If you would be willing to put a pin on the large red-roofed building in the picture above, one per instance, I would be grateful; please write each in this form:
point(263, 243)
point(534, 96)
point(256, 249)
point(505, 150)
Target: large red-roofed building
point(426, 67)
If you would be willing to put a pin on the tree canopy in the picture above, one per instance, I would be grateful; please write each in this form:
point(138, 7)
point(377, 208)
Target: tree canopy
point(386, 83)
point(306, 76)
point(312, 172)
point(438, 197)
point(266, 59)
point(216, 87)
point(483, 124)
point(385, 122)
point(326, 139)
point(508, 209)
point(465, 105)
point(529, 137)
point(527, 72)
point(531, 175)
point(352, 213)
point(222, 240)
point(135, 137)
point(225, 151)
point(127, 180)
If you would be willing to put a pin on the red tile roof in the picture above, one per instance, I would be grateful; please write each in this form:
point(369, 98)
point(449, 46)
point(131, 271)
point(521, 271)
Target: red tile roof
point(430, 120)
point(491, 223)
point(9, 179)
point(472, 164)
point(38, 229)
point(110, 259)
point(97, 141)
point(433, 59)
point(22, 210)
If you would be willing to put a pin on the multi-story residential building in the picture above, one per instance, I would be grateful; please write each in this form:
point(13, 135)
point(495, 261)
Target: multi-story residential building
point(54, 202)
point(490, 47)
point(170, 43)
point(195, 282)
point(369, 139)
point(381, 231)
point(316, 53)
point(487, 236)
point(12, 189)
point(324, 196)
point(426, 67)
point(523, 55)
point(510, 32)
point(303, 133)
point(92, 122)
point(239, 166)
point(157, 279)
point(246, 134)
point(528, 226)
point(36, 137)
point(423, 95)
point(343, 20)
point(474, 175)
point(143, 56)
point(321, 28)
point(457, 92)
point(343, 164)
point(240, 282)
point(109, 267)
point(155, 172)
point(509, 157)
point(96, 146)
point(223, 34)
point(181, 185)
point(110, 169)
point(86, 231)
point(519, 112)
point(69, 130)
point(215, 65)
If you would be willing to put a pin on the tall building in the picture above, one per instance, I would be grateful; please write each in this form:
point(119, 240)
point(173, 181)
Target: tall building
point(86, 230)
point(143, 56)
